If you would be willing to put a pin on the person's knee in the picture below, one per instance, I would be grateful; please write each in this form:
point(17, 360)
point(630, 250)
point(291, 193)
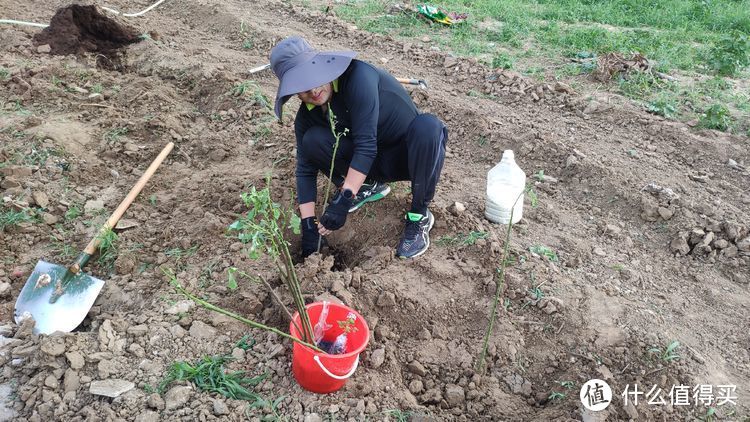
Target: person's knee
point(315, 142)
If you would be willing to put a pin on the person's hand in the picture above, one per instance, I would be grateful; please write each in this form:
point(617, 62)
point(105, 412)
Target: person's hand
point(310, 237)
point(335, 215)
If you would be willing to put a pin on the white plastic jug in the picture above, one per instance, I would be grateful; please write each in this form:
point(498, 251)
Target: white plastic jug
point(505, 182)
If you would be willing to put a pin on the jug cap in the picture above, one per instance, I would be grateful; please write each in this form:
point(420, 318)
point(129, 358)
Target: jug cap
point(508, 154)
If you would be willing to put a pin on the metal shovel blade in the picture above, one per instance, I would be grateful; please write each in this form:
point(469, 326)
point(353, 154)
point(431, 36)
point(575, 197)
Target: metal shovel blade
point(57, 299)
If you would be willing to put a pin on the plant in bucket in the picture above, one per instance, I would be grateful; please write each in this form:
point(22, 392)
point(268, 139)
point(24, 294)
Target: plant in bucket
point(328, 369)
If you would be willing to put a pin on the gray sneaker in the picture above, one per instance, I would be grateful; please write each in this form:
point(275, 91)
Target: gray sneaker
point(369, 192)
point(416, 238)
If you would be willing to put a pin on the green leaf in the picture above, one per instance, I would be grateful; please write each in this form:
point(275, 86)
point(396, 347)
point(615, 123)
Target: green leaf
point(232, 282)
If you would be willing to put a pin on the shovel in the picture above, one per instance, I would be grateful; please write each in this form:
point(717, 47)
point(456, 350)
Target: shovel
point(59, 297)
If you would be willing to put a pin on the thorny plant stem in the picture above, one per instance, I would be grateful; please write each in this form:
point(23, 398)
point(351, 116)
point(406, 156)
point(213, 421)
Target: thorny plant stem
point(499, 285)
point(337, 135)
point(181, 290)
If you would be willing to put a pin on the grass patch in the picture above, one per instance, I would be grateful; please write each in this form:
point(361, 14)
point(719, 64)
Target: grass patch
point(462, 239)
point(108, 248)
point(209, 374)
point(668, 354)
point(10, 217)
point(544, 251)
point(4, 74)
point(113, 135)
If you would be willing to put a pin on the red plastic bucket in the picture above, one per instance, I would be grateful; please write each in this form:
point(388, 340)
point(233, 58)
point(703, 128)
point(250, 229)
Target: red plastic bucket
point(321, 372)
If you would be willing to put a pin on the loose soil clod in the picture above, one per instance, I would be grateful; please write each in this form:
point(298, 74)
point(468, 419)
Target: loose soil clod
point(77, 29)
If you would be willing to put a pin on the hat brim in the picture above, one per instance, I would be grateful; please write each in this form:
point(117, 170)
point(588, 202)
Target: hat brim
point(320, 69)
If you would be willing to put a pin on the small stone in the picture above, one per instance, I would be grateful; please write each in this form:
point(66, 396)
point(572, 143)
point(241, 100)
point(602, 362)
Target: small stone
point(457, 208)
point(177, 397)
point(387, 300)
point(220, 408)
point(202, 331)
point(155, 402)
point(147, 416)
point(75, 359)
point(181, 307)
point(721, 243)
point(238, 354)
point(177, 331)
point(426, 39)
point(51, 382)
point(71, 381)
point(110, 388)
point(49, 219)
point(416, 386)
point(5, 290)
point(424, 334)
point(313, 417)
point(599, 251)
point(679, 245)
point(53, 346)
point(665, 213)
point(613, 229)
point(415, 367)
point(454, 395)
point(377, 358)
point(696, 235)
point(44, 49)
point(40, 198)
point(744, 245)
point(92, 206)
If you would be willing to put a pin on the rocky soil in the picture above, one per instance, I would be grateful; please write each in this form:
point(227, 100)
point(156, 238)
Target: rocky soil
point(647, 219)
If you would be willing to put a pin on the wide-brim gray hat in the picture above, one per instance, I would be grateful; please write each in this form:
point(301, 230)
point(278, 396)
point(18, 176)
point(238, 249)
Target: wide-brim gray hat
point(300, 68)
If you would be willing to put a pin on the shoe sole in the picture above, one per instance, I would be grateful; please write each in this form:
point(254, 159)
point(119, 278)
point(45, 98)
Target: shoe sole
point(378, 196)
point(429, 229)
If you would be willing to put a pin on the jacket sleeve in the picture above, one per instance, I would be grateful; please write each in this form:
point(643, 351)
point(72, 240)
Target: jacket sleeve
point(362, 98)
point(305, 172)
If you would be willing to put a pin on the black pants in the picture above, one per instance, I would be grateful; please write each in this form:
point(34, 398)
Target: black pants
point(418, 158)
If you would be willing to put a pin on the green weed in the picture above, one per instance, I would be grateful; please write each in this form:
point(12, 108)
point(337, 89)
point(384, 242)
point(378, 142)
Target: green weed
point(108, 247)
point(272, 406)
point(73, 212)
point(10, 217)
point(4, 74)
point(545, 251)
point(113, 135)
point(716, 117)
point(97, 89)
point(152, 200)
point(502, 61)
point(179, 253)
point(668, 354)
point(556, 396)
point(398, 415)
point(462, 239)
point(209, 374)
point(730, 54)
point(665, 107)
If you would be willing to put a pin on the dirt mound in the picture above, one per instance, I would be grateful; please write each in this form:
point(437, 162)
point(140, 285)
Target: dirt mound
point(77, 29)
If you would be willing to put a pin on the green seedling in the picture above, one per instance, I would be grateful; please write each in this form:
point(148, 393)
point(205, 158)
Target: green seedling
point(544, 251)
point(4, 74)
point(347, 325)
point(179, 253)
point(245, 343)
point(10, 217)
point(500, 281)
point(716, 117)
point(262, 230)
point(462, 239)
point(108, 247)
point(209, 374)
point(567, 384)
point(709, 416)
point(73, 212)
point(667, 355)
point(730, 54)
point(152, 200)
point(113, 135)
point(272, 406)
point(333, 123)
point(398, 415)
point(97, 89)
point(556, 396)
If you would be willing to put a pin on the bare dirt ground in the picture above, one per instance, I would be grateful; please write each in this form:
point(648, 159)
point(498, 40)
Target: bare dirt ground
point(647, 217)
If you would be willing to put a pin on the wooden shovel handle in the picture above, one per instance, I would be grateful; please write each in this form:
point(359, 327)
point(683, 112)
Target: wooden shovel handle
point(115, 217)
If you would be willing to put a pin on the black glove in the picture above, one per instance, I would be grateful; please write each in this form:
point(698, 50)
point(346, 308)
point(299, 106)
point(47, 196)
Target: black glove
point(335, 215)
point(310, 237)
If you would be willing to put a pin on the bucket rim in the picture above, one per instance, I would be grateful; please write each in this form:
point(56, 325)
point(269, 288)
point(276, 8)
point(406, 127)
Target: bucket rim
point(353, 353)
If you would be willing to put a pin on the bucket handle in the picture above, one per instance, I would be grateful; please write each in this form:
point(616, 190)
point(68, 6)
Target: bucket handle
point(338, 377)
